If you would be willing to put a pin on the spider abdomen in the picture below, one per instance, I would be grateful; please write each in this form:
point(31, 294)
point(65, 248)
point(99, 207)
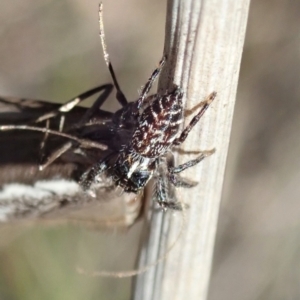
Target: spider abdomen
point(158, 125)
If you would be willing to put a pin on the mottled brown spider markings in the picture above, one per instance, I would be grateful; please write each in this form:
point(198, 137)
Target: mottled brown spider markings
point(130, 146)
point(158, 125)
point(155, 130)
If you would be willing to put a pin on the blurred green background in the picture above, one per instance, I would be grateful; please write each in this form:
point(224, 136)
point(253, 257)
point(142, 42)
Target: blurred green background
point(51, 50)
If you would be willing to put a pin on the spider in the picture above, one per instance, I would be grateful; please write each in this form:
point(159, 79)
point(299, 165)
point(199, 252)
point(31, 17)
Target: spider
point(130, 146)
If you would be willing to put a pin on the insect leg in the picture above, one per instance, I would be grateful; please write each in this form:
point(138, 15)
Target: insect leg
point(54, 155)
point(69, 105)
point(195, 120)
point(120, 95)
point(65, 108)
point(95, 108)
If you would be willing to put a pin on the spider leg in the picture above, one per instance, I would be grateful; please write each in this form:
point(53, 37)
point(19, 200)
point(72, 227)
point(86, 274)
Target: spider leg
point(175, 170)
point(195, 120)
point(120, 95)
point(163, 182)
point(175, 179)
point(163, 194)
point(181, 182)
point(178, 181)
point(91, 176)
point(149, 83)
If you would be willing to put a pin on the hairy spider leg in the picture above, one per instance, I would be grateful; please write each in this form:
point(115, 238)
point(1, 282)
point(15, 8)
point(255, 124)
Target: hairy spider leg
point(161, 190)
point(173, 171)
point(164, 187)
point(173, 178)
point(90, 176)
point(149, 83)
point(163, 195)
point(120, 95)
point(161, 187)
point(195, 120)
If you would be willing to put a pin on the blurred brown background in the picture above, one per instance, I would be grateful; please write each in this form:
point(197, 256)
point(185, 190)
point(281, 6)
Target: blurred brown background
point(258, 245)
point(50, 50)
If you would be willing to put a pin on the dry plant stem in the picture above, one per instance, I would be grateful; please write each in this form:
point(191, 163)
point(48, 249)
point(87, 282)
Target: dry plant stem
point(203, 44)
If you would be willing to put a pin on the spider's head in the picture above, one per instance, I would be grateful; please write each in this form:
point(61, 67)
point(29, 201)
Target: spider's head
point(132, 171)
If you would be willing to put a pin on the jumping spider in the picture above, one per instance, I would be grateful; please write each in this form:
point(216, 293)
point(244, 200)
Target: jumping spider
point(130, 146)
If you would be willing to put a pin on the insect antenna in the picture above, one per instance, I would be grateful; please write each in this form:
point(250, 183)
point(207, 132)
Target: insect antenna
point(120, 95)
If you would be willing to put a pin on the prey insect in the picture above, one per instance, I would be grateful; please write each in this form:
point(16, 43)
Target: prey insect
point(127, 148)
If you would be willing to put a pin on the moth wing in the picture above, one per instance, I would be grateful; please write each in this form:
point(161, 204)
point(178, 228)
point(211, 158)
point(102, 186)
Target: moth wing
point(27, 193)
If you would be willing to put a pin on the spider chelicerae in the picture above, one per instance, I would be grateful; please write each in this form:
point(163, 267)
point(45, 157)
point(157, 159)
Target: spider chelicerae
point(130, 146)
